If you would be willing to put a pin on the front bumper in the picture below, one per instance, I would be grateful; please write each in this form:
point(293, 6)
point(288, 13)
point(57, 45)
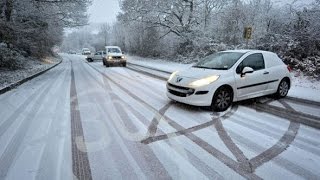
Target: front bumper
point(201, 96)
point(116, 61)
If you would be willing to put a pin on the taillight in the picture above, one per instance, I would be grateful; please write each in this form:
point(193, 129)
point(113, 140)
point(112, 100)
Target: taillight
point(289, 68)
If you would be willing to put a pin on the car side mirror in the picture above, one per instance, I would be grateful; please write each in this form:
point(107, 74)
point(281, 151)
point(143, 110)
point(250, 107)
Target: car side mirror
point(246, 70)
point(123, 52)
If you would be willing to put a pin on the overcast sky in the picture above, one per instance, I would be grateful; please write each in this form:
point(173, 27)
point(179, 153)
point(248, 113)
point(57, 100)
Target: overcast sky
point(104, 11)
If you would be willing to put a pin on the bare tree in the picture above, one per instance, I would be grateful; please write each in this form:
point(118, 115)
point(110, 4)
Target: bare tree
point(105, 31)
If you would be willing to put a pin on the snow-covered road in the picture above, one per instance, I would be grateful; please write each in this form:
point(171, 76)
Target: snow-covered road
point(82, 120)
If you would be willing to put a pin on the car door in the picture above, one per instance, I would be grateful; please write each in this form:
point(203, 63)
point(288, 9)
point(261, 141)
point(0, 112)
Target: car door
point(96, 55)
point(251, 84)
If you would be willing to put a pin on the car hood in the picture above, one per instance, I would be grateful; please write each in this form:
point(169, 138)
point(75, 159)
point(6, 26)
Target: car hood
point(199, 73)
point(115, 54)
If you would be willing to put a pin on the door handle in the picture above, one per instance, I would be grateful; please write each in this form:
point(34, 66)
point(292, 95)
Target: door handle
point(265, 73)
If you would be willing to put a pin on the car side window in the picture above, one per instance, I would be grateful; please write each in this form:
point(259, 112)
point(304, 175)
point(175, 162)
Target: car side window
point(255, 61)
point(97, 53)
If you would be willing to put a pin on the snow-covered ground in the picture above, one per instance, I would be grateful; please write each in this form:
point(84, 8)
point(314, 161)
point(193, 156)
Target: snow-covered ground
point(31, 67)
point(82, 120)
point(303, 87)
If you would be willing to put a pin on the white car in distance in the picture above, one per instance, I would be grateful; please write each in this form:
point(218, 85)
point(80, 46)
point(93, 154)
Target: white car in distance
point(229, 76)
point(114, 55)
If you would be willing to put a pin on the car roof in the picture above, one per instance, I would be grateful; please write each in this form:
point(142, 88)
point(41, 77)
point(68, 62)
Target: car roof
point(112, 47)
point(248, 51)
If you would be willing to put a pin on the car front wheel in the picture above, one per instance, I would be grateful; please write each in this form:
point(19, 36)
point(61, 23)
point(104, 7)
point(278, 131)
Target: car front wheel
point(222, 99)
point(283, 88)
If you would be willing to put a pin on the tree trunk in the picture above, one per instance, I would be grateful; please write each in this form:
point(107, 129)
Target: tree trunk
point(8, 10)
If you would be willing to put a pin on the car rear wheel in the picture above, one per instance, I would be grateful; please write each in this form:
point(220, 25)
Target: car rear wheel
point(222, 99)
point(283, 88)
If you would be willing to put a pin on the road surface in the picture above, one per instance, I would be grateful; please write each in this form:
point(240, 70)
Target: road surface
point(84, 121)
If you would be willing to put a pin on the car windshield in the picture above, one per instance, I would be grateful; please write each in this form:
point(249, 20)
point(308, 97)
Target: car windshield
point(221, 60)
point(114, 50)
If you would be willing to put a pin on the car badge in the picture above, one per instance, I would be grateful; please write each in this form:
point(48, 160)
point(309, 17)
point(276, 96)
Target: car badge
point(179, 79)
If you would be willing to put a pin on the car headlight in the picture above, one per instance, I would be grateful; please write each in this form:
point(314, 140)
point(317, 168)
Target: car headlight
point(123, 57)
point(172, 75)
point(109, 57)
point(204, 81)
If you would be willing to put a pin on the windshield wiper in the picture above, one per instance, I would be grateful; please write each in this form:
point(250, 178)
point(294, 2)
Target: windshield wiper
point(219, 68)
point(203, 67)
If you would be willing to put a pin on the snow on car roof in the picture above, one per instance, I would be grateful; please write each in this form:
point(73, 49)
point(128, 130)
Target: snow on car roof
point(248, 50)
point(112, 47)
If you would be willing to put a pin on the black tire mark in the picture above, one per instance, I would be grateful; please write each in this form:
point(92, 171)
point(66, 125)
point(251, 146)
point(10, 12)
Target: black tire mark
point(303, 101)
point(148, 74)
point(205, 169)
point(274, 133)
point(286, 105)
point(152, 129)
point(149, 91)
point(128, 70)
point(159, 70)
point(237, 167)
point(233, 148)
point(152, 139)
point(80, 161)
point(144, 155)
point(234, 165)
point(278, 148)
point(286, 164)
point(281, 146)
point(288, 114)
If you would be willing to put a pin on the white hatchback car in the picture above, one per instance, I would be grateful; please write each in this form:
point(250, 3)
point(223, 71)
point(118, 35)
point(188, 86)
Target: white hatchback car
point(229, 76)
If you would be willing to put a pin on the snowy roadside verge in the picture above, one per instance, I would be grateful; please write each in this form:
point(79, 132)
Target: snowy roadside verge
point(302, 87)
point(13, 78)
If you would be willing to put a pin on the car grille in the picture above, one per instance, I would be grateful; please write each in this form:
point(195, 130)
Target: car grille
point(179, 91)
point(116, 57)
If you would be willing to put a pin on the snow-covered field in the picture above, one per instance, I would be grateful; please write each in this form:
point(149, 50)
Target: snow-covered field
point(303, 87)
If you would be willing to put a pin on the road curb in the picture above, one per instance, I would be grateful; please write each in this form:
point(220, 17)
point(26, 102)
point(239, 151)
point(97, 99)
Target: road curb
point(20, 82)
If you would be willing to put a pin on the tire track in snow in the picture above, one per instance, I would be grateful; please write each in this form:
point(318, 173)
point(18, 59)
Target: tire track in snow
point(284, 163)
point(236, 166)
point(11, 150)
point(13, 117)
point(274, 151)
point(50, 169)
point(80, 161)
point(142, 154)
point(283, 143)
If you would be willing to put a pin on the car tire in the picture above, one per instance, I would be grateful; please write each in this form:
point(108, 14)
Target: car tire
point(107, 64)
point(222, 99)
point(103, 62)
point(124, 64)
point(283, 88)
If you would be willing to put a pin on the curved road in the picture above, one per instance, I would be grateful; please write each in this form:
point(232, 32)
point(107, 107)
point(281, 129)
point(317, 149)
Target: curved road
point(84, 121)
